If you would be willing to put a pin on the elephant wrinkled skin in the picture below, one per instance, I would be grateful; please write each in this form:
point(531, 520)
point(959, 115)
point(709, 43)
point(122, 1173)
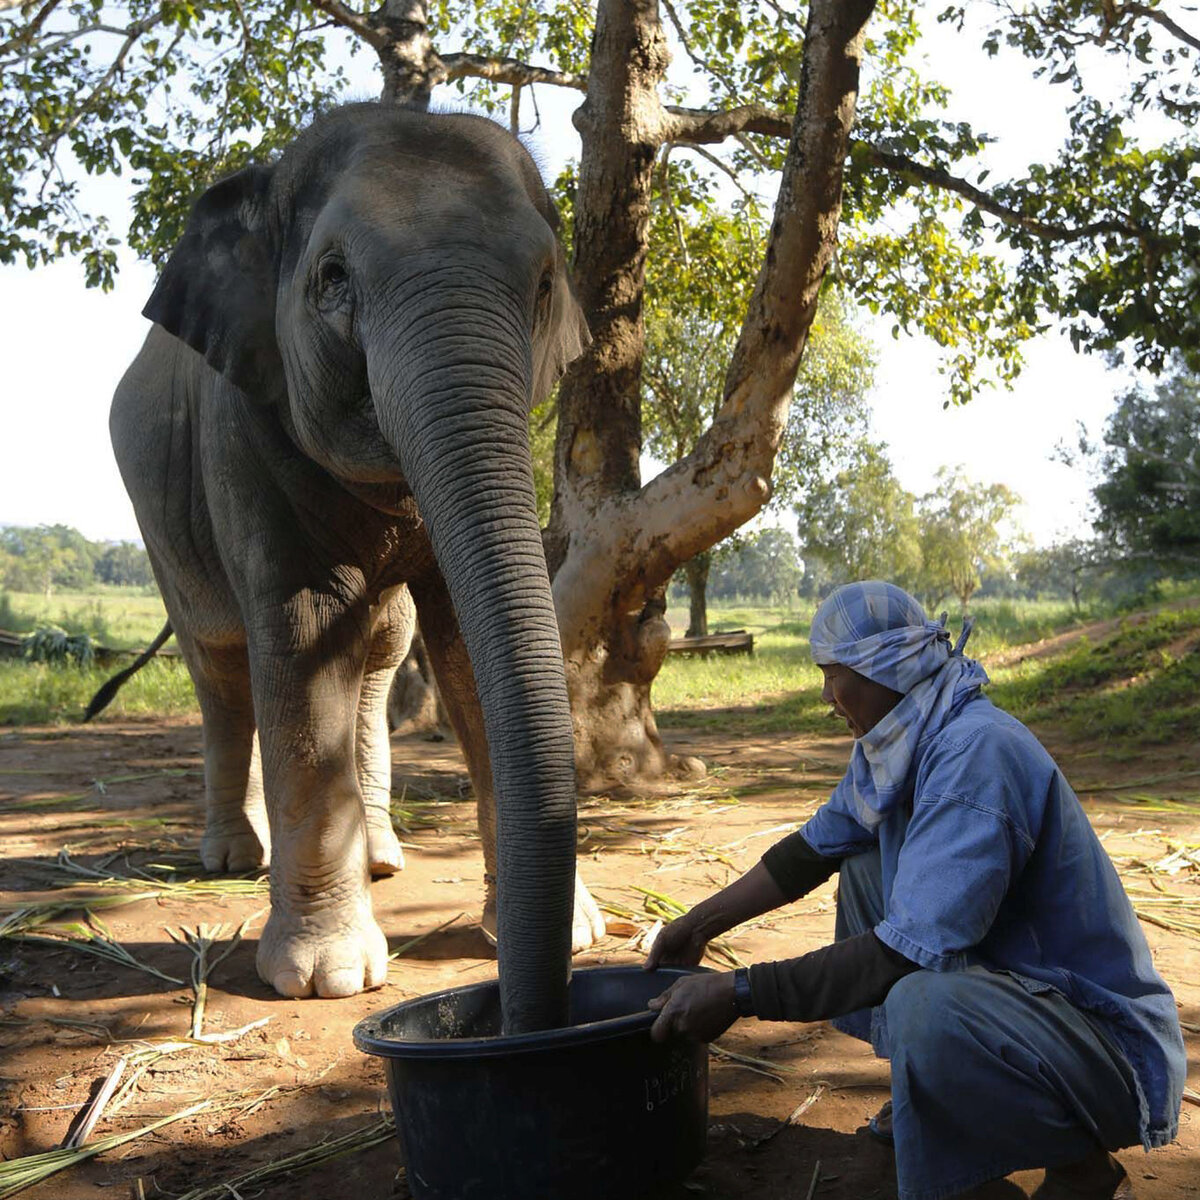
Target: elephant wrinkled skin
point(325, 436)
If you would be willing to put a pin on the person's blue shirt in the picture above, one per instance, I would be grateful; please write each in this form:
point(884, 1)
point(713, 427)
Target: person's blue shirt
point(993, 862)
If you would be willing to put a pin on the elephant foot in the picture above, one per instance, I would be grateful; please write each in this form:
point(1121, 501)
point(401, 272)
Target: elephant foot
point(384, 853)
point(587, 925)
point(339, 951)
point(234, 850)
point(587, 922)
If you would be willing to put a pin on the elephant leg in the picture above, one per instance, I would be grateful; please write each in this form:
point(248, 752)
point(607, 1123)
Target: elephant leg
point(236, 834)
point(373, 752)
point(321, 937)
point(456, 680)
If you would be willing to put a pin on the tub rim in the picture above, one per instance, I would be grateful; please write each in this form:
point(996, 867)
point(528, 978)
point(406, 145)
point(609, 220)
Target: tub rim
point(369, 1038)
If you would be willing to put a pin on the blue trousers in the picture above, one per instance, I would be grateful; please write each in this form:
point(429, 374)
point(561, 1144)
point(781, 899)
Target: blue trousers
point(991, 1073)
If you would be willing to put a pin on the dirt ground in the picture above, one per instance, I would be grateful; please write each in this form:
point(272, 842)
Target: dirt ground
point(126, 798)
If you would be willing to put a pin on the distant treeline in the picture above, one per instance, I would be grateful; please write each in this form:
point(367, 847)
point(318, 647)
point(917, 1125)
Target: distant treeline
point(46, 558)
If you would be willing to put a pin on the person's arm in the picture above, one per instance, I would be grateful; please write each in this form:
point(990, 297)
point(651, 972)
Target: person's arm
point(788, 870)
point(830, 982)
point(682, 942)
point(796, 867)
point(855, 973)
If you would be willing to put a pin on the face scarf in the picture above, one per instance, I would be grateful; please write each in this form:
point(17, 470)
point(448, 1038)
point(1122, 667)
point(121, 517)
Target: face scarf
point(880, 631)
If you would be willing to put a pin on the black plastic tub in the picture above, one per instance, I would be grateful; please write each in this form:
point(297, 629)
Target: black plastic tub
point(592, 1111)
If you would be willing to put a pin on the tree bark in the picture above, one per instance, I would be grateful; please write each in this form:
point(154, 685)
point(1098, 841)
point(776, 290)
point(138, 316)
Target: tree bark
point(695, 571)
point(405, 51)
point(414, 703)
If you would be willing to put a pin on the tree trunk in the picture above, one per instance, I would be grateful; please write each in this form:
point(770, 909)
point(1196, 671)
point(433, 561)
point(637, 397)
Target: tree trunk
point(695, 571)
point(414, 703)
point(612, 545)
point(405, 51)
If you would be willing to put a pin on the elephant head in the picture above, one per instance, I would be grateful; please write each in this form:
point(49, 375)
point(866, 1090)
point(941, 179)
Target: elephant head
point(393, 286)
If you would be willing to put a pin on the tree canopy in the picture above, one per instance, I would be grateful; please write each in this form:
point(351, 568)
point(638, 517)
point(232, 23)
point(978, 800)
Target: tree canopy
point(1103, 236)
point(44, 557)
point(1148, 497)
point(862, 523)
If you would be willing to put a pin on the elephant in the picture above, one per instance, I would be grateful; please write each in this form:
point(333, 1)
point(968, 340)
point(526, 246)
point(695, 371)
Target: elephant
point(325, 436)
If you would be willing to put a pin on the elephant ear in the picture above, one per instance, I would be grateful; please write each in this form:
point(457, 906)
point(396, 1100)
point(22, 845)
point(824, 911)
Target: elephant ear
point(217, 291)
point(567, 336)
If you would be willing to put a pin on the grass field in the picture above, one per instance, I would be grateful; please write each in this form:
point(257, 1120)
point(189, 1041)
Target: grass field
point(118, 617)
point(1138, 680)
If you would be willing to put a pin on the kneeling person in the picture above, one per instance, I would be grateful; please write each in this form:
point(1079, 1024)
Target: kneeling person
point(985, 944)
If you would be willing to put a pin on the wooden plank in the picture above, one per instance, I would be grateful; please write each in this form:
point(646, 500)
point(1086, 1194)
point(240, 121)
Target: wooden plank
point(733, 641)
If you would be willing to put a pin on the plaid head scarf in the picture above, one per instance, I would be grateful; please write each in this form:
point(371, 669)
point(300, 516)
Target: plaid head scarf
point(880, 631)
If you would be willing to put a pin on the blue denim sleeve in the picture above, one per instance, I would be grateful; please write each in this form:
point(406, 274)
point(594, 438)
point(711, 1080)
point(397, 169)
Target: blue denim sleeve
point(833, 832)
point(961, 854)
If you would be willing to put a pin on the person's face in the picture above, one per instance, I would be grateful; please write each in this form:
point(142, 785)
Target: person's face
point(862, 702)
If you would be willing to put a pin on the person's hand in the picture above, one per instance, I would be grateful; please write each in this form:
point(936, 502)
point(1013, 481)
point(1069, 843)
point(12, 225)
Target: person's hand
point(679, 944)
point(697, 1007)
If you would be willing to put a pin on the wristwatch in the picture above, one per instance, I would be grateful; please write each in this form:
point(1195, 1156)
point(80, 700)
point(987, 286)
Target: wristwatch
point(743, 998)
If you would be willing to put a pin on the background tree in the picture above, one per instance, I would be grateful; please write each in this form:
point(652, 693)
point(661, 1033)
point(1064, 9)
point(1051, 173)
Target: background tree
point(763, 566)
point(962, 534)
point(1060, 569)
point(123, 564)
point(44, 557)
point(1103, 236)
point(861, 523)
point(1149, 495)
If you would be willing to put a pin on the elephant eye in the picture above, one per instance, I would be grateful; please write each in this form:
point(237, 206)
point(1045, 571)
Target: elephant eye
point(541, 308)
point(332, 281)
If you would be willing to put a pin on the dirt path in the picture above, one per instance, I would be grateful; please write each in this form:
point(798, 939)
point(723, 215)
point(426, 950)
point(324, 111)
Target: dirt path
point(121, 797)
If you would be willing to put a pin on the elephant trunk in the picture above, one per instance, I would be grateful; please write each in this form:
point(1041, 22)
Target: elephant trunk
point(451, 398)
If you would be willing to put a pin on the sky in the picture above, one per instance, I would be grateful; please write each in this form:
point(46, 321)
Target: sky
point(65, 348)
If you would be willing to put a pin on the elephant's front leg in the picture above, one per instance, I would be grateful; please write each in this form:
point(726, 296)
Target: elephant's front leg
point(456, 680)
point(321, 937)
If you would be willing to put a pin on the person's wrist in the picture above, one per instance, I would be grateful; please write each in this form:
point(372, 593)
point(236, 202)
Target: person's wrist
point(743, 997)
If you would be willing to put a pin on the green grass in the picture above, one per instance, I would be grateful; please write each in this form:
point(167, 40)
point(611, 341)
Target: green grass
point(39, 694)
point(122, 618)
point(1140, 683)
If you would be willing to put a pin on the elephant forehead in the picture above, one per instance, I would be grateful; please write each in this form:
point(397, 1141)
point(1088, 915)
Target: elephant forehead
point(381, 215)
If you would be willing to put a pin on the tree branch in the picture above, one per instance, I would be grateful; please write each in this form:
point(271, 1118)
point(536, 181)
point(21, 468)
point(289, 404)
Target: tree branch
point(503, 70)
point(26, 35)
point(1159, 18)
point(940, 178)
point(132, 34)
point(694, 127)
point(697, 126)
point(362, 26)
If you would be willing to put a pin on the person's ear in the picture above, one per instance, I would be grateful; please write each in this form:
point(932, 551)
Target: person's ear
point(217, 291)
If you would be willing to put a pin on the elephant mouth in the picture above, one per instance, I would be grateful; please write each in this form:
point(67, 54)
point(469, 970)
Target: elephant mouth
point(394, 499)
